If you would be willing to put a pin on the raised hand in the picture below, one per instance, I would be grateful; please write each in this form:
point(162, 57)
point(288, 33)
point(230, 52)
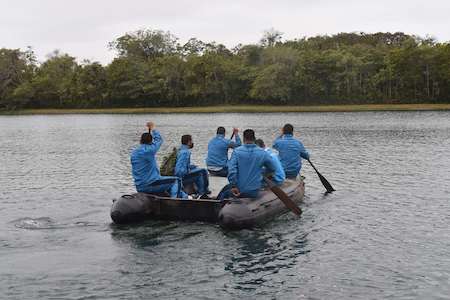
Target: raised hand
point(150, 126)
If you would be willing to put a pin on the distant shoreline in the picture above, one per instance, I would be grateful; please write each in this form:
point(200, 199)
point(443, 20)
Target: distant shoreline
point(236, 109)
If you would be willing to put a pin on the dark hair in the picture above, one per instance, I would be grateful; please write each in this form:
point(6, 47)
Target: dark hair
point(249, 135)
point(260, 143)
point(185, 139)
point(146, 138)
point(288, 129)
point(220, 130)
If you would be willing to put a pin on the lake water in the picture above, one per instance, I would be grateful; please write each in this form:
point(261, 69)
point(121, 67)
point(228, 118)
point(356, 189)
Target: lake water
point(383, 234)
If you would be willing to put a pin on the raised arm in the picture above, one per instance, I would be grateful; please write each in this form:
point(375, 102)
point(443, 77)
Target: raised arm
point(157, 139)
point(156, 143)
point(276, 143)
point(237, 140)
point(303, 152)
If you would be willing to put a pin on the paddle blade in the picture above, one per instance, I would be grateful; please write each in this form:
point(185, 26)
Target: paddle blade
point(325, 183)
point(283, 197)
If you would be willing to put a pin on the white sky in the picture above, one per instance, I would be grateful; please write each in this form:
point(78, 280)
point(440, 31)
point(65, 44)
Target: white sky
point(83, 28)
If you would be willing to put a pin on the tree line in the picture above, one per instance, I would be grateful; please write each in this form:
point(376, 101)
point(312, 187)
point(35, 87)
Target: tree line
point(152, 68)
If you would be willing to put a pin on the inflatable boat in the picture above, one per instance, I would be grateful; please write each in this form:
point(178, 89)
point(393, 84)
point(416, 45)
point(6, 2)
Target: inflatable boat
point(233, 213)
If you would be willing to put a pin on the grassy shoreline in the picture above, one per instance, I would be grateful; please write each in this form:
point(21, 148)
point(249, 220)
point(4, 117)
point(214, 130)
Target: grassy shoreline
point(236, 108)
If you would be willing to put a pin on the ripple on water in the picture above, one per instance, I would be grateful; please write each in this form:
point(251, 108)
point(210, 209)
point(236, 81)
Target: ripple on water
point(47, 223)
point(34, 223)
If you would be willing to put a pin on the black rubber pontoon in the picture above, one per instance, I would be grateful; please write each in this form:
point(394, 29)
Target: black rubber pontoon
point(236, 213)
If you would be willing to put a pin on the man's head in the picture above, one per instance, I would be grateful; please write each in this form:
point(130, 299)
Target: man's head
point(249, 136)
point(288, 129)
point(146, 138)
point(260, 143)
point(221, 130)
point(187, 140)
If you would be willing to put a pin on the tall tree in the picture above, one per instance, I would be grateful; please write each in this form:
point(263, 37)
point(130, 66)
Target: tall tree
point(145, 44)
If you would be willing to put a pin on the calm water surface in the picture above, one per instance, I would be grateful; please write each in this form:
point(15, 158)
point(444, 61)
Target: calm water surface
point(384, 233)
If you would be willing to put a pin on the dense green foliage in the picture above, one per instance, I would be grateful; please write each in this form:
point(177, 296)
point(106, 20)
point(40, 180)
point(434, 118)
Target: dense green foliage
point(153, 69)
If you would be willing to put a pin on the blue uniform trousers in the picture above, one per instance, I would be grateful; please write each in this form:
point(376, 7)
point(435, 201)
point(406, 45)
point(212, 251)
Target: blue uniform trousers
point(200, 178)
point(164, 184)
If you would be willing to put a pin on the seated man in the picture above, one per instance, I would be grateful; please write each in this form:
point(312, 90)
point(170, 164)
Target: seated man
point(291, 151)
point(245, 168)
point(279, 176)
point(145, 170)
point(190, 173)
point(217, 157)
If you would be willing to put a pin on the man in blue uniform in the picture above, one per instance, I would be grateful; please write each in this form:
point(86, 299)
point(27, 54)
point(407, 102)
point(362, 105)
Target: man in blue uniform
point(291, 151)
point(145, 169)
point(190, 173)
point(278, 176)
point(245, 168)
point(217, 158)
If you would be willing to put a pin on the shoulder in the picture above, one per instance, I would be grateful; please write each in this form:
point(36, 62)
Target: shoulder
point(183, 152)
point(298, 141)
point(260, 151)
point(264, 152)
point(135, 150)
point(291, 140)
point(282, 141)
point(143, 147)
point(271, 152)
point(239, 149)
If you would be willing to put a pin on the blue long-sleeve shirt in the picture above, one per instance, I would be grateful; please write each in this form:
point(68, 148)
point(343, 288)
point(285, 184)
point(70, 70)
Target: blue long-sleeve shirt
point(278, 176)
point(291, 151)
point(183, 164)
point(245, 167)
point(218, 150)
point(144, 167)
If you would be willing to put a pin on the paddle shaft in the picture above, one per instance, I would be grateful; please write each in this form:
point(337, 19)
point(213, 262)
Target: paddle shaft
point(313, 166)
point(283, 197)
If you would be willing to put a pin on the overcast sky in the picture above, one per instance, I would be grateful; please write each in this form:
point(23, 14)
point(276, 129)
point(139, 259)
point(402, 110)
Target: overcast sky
point(83, 28)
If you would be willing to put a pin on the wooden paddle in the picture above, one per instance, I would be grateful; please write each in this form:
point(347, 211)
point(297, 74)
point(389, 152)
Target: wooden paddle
point(325, 182)
point(283, 197)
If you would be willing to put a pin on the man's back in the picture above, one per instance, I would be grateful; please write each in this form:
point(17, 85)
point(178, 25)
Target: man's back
point(144, 167)
point(183, 163)
point(246, 167)
point(290, 152)
point(218, 150)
